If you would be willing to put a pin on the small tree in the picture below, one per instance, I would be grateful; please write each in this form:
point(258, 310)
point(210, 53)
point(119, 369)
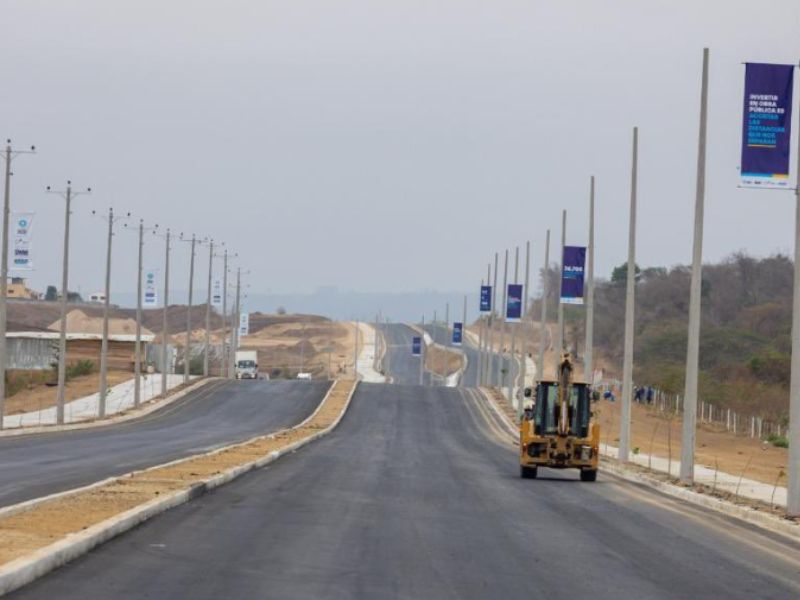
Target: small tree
point(281, 310)
point(51, 295)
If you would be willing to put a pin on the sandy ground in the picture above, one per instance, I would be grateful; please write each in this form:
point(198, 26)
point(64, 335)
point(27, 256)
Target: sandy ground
point(443, 362)
point(28, 531)
point(43, 396)
point(655, 433)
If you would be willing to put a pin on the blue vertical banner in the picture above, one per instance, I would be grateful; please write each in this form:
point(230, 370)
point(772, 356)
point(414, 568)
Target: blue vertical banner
point(416, 346)
point(767, 125)
point(486, 298)
point(514, 303)
point(458, 333)
point(572, 269)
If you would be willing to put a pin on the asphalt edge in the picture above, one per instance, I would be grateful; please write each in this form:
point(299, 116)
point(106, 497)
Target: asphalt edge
point(143, 410)
point(769, 522)
point(26, 569)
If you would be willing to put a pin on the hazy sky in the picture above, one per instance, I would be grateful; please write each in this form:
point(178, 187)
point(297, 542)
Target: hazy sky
point(383, 146)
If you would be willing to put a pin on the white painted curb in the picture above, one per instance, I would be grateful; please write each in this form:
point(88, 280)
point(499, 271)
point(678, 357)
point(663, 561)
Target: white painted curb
point(26, 569)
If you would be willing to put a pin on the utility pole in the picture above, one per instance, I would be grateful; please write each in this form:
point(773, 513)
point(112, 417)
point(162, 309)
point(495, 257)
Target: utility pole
point(793, 467)
point(543, 308)
point(68, 196)
point(463, 335)
point(513, 355)
point(560, 334)
point(693, 344)
point(165, 325)
point(447, 341)
point(10, 154)
point(187, 352)
point(627, 364)
point(224, 363)
point(101, 409)
point(355, 356)
point(524, 341)
point(137, 347)
point(422, 354)
point(501, 363)
point(235, 323)
point(588, 358)
point(207, 344)
point(490, 373)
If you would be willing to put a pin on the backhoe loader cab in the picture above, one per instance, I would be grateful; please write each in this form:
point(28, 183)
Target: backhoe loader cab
point(558, 431)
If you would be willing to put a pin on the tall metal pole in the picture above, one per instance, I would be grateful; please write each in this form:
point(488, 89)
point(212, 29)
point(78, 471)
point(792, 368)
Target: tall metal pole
point(4, 281)
point(501, 361)
point(165, 325)
point(524, 341)
point(422, 354)
point(355, 355)
point(223, 371)
point(560, 333)
point(627, 364)
point(137, 349)
point(793, 467)
point(207, 344)
point(490, 372)
point(9, 156)
point(513, 356)
point(187, 352)
point(588, 356)
point(463, 331)
point(62, 338)
point(543, 309)
point(693, 346)
point(101, 409)
point(235, 319)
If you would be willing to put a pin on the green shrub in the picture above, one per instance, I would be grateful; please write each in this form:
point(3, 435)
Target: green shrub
point(779, 441)
point(77, 369)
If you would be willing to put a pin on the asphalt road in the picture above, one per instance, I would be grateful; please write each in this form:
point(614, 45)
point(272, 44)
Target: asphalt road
point(398, 362)
point(442, 335)
point(416, 495)
point(217, 414)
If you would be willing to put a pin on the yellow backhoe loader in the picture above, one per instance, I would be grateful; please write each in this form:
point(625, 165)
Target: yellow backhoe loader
point(558, 430)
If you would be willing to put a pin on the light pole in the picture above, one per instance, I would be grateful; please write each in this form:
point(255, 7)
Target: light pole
point(588, 357)
point(187, 348)
point(10, 155)
point(207, 343)
point(543, 308)
point(68, 196)
point(165, 326)
point(101, 408)
point(137, 359)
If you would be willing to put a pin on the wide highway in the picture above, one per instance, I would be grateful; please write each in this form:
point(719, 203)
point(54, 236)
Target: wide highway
point(417, 495)
point(216, 414)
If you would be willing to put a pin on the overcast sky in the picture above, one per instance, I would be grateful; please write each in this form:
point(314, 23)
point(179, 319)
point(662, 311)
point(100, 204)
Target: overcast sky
point(383, 146)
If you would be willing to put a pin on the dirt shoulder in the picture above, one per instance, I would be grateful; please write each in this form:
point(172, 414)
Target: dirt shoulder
point(39, 396)
point(443, 362)
point(659, 434)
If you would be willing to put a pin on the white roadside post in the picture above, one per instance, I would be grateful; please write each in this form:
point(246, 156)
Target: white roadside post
point(627, 364)
point(543, 309)
point(588, 352)
point(68, 196)
point(10, 154)
point(693, 344)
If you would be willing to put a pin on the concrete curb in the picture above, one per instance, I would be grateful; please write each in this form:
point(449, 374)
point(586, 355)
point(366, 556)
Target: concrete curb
point(26, 569)
point(143, 410)
point(749, 515)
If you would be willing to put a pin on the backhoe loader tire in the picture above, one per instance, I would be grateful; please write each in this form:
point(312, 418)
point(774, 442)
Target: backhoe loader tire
point(527, 472)
point(588, 475)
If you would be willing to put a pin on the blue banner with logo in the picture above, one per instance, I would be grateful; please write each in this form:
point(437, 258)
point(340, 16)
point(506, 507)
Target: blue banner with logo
point(767, 125)
point(486, 298)
point(458, 333)
point(514, 303)
point(572, 267)
point(416, 346)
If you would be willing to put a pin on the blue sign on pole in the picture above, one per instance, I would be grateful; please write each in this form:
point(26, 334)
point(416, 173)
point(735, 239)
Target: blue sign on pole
point(486, 298)
point(767, 124)
point(416, 346)
point(572, 269)
point(514, 303)
point(458, 333)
